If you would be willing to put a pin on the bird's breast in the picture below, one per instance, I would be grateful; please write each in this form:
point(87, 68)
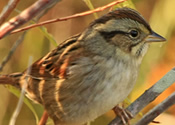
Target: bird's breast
point(92, 88)
point(116, 83)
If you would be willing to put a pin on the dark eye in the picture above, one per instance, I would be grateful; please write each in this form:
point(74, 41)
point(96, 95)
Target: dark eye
point(134, 33)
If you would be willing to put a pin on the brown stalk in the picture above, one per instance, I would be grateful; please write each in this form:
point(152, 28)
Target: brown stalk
point(25, 16)
point(70, 17)
point(7, 10)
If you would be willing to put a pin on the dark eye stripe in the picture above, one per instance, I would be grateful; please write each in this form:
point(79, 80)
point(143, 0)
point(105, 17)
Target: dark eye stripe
point(109, 35)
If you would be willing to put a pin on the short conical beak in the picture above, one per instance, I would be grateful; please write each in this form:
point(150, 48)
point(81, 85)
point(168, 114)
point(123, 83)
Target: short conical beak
point(154, 37)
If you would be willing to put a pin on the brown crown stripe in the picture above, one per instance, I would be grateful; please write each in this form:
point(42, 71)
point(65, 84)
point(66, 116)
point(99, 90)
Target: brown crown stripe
point(123, 13)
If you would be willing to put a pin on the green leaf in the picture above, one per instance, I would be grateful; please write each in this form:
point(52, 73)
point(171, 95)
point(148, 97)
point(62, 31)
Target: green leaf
point(16, 92)
point(127, 3)
point(48, 35)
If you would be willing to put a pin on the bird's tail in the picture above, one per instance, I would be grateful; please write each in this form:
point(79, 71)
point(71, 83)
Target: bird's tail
point(11, 79)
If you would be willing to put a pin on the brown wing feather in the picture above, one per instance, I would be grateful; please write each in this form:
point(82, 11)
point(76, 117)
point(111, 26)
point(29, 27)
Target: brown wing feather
point(53, 65)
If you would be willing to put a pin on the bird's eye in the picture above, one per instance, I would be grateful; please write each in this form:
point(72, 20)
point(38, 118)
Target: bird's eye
point(133, 33)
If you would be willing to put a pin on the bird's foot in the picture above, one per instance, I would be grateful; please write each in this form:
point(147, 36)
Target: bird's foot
point(124, 114)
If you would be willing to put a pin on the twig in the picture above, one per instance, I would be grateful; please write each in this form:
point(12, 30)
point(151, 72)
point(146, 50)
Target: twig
point(151, 115)
point(20, 102)
point(7, 10)
point(21, 38)
point(69, 17)
point(25, 16)
point(149, 95)
point(43, 119)
point(45, 115)
point(12, 50)
point(91, 7)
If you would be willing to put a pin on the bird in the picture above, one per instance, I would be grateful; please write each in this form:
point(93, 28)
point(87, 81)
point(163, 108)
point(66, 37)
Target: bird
point(90, 73)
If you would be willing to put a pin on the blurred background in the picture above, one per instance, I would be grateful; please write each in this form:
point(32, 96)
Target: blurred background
point(158, 61)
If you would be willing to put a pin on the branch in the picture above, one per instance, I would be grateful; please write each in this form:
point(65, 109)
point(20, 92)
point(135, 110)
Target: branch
point(149, 95)
point(7, 10)
point(45, 115)
point(69, 17)
point(21, 38)
point(21, 98)
point(25, 16)
point(44, 118)
point(151, 115)
point(12, 50)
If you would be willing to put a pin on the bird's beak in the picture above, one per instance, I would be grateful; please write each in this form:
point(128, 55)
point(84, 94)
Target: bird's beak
point(154, 37)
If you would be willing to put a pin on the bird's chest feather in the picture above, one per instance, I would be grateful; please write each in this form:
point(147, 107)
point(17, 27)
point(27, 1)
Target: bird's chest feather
point(116, 83)
point(98, 88)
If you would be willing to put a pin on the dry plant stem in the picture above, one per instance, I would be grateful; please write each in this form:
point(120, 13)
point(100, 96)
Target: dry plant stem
point(68, 17)
point(7, 10)
point(20, 39)
point(43, 119)
point(149, 95)
point(149, 117)
point(12, 50)
point(45, 115)
point(20, 102)
point(25, 16)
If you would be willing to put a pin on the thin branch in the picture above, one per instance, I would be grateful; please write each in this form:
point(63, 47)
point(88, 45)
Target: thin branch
point(25, 16)
point(70, 17)
point(12, 50)
point(21, 38)
point(44, 118)
point(7, 10)
point(151, 115)
point(20, 102)
point(149, 95)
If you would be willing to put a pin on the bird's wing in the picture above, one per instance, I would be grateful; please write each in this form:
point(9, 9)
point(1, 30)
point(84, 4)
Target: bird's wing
point(54, 63)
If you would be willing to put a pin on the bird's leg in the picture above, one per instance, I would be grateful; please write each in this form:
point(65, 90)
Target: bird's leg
point(124, 114)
